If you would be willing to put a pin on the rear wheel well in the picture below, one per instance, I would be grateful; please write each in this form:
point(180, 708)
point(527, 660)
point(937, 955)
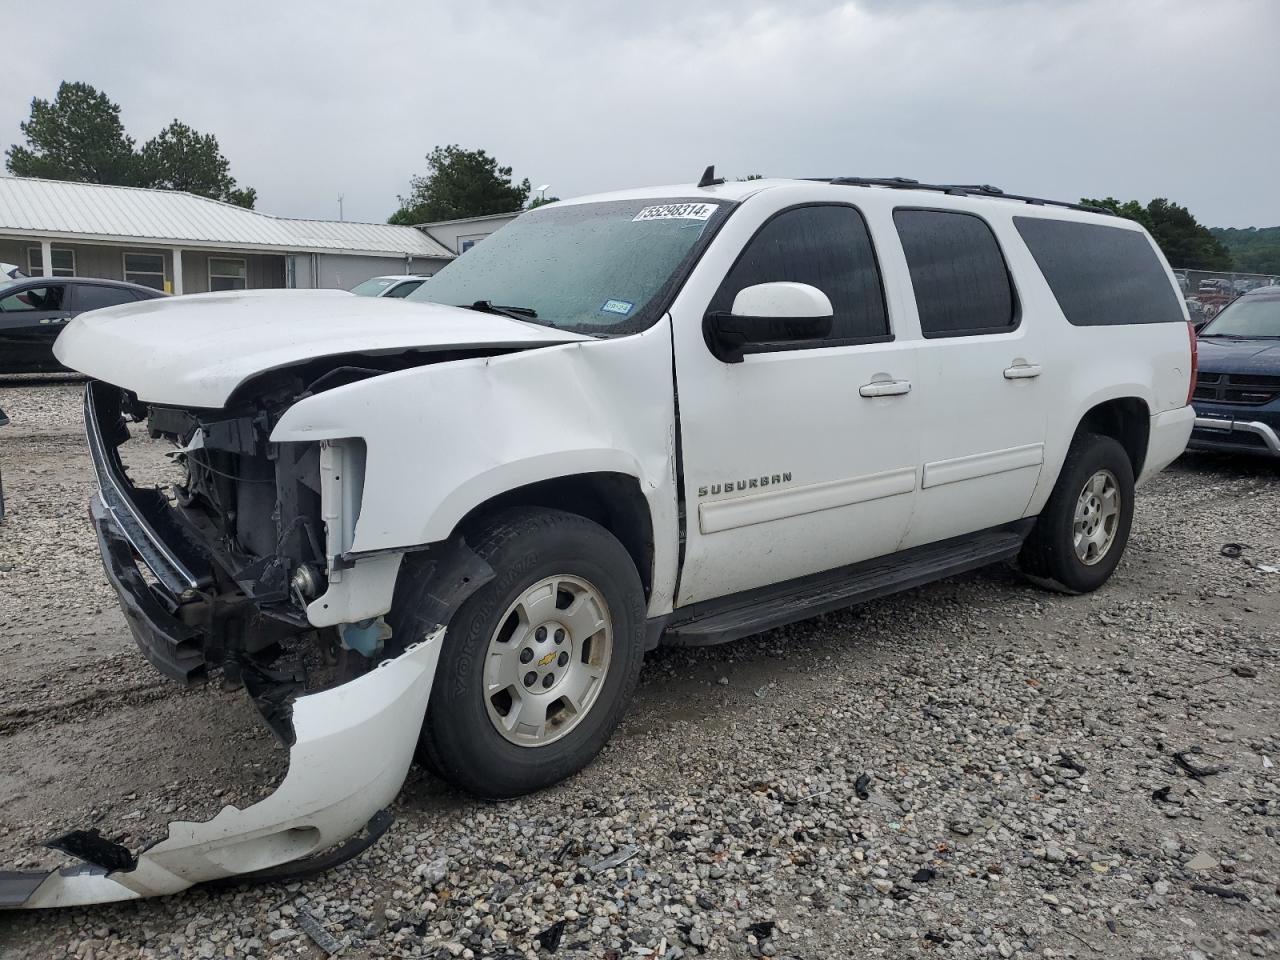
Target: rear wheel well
point(1127, 420)
point(613, 500)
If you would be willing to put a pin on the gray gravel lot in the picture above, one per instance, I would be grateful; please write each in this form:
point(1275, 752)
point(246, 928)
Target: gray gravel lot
point(972, 768)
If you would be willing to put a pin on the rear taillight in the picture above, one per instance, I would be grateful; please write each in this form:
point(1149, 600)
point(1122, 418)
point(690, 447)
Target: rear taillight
point(1195, 362)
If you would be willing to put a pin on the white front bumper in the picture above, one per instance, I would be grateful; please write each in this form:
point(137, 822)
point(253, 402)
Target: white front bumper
point(352, 751)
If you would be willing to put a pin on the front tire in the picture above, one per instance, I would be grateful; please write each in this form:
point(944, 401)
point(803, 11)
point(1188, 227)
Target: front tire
point(1081, 534)
point(538, 665)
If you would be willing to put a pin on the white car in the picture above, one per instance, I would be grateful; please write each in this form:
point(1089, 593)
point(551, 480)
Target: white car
point(398, 287)
point(673, 415)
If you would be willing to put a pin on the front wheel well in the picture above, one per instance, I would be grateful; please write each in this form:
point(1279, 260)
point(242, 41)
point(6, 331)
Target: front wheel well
point(613, 500)
point(1127, 420)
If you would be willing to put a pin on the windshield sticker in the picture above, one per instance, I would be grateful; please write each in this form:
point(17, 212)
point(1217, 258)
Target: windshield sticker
point(676, 211)
point(622, 307)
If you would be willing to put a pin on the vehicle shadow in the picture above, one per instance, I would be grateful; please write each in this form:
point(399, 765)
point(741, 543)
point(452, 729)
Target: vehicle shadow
point(39, 379)
point(1227, 466)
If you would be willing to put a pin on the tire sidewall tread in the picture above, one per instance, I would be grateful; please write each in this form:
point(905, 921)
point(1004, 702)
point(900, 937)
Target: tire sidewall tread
point(523, 545)
point(1048, 556)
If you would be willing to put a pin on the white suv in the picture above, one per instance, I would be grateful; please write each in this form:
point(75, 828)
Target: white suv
point(672, 415)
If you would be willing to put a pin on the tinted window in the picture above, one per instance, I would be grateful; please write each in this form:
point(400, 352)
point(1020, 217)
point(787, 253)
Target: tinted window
point(93, 297)
point(404, 289)
point(33, 298)
point(827, 247)
point(960, 279)
point(1101, 275)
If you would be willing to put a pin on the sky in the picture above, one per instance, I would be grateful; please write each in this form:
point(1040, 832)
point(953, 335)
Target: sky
point(1058, 98)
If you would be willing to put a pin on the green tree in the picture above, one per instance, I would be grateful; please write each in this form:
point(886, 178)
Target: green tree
point(1186, 243)
point(76, 136)
point(1253, 249)
point(460, 183)
point(180, 158)
point(541, 202)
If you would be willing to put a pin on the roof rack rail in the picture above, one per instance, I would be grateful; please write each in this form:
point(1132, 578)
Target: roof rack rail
point(956, 190)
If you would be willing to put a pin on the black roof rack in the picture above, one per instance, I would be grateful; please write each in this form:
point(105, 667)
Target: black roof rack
point(955, 190)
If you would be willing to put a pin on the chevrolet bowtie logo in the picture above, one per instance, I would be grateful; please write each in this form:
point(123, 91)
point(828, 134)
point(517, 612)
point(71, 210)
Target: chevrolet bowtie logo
point(547, 659)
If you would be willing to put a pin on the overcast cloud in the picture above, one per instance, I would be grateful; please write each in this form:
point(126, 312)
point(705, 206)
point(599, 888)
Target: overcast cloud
point(1129, 98)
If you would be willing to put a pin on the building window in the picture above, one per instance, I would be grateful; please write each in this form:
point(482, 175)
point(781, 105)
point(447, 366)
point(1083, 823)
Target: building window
point(146, 269)
point(227, 274)
point(64, 262)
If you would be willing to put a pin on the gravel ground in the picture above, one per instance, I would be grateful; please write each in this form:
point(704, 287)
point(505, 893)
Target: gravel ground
point(972, 768)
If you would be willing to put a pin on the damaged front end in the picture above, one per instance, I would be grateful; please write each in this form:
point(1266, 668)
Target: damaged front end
point(242, 571)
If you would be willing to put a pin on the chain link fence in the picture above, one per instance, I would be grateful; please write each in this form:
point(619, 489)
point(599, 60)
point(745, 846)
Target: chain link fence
point(1208, 291)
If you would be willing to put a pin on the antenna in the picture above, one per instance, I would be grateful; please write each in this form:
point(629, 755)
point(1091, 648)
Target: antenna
point(709, 178)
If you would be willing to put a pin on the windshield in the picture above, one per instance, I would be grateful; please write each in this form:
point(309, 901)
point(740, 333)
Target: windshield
point(595, 268)
point(1247, 317)
point(373, 286)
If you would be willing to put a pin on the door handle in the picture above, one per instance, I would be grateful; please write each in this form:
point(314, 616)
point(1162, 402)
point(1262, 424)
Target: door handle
point(885, 388)
point(1023, 371)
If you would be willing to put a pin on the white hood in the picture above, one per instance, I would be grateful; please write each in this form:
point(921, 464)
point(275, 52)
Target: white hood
point(194, 351)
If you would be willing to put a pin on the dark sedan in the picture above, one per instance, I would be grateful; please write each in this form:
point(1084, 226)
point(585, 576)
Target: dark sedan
point(33, 311)
point(1237, 396)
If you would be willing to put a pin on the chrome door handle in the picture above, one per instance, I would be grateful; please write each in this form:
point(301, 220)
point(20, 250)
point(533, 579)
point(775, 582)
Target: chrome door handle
point(885, 388)
point(1023, 371)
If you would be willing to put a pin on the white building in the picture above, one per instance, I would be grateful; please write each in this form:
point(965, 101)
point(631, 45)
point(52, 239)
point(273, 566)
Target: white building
point(459, 236)
point(184, 243)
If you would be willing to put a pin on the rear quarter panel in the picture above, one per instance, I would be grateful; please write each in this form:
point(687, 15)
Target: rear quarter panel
point(1089, 365)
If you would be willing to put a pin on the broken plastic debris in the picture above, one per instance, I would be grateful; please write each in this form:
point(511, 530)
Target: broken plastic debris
point(321, 937)
point(549, 939)
point(862, 786)
point(617, 860)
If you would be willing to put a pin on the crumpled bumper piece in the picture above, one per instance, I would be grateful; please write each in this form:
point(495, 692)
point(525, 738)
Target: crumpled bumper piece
point(352, 753)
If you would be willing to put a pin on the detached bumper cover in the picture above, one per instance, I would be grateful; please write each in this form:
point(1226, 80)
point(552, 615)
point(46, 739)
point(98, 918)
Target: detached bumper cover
point(351, 756)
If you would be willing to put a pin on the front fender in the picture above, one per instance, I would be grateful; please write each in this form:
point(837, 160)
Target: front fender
point(444, 438)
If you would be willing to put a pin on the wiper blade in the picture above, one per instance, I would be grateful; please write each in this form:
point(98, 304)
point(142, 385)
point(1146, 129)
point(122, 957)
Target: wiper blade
point(511, 313)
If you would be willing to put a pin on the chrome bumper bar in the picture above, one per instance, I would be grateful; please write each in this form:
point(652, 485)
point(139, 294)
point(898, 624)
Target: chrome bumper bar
point(1219, 425)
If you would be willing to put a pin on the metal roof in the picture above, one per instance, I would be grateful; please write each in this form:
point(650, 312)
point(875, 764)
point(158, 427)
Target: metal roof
point(92, 211)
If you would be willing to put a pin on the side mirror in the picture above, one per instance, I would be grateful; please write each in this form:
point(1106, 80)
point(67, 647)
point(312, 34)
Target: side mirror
point(768, 313)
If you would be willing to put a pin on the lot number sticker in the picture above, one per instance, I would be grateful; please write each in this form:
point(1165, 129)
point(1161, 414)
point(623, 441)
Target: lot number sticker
point(676, 211)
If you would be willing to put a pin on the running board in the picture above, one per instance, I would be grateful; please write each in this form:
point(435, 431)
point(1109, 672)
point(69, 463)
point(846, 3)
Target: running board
point(740, 615)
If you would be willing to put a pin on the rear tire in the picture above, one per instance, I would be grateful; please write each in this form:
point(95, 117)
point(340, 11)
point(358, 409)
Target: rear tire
point(1081, 534)
point(566, 607)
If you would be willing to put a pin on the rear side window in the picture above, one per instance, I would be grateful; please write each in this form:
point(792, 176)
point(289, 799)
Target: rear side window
point(827, 247)
point(1101, 275)
point(960, 279)
point(94, 297)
